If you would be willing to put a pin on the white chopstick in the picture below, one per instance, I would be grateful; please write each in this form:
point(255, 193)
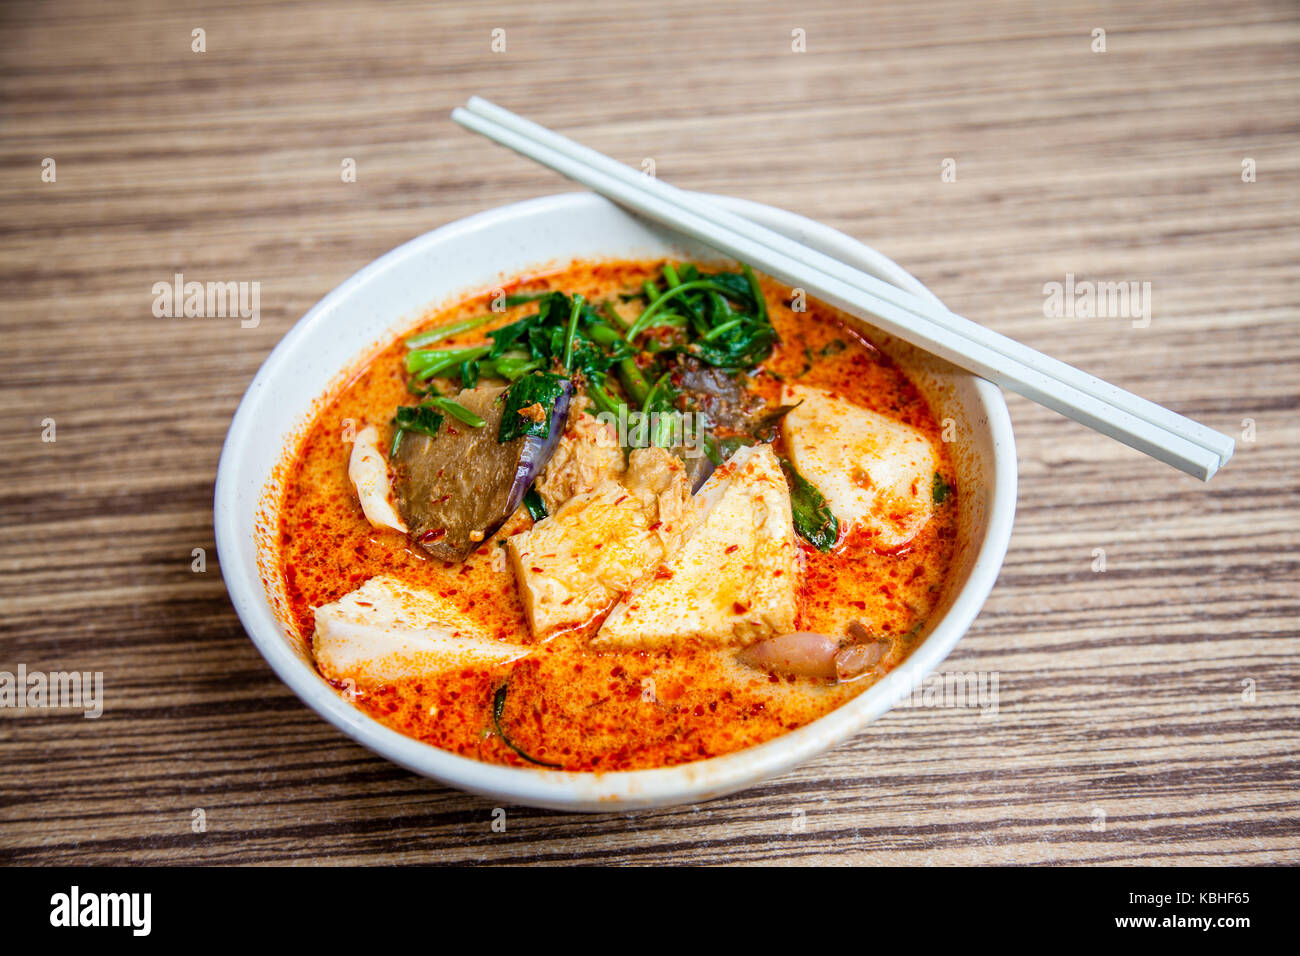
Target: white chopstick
point(1158, 432)
point(1222, 445)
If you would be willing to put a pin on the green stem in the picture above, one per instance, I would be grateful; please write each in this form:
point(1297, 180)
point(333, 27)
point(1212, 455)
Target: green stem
point(498, 708)
point(759, 302)
point(426, 365)
point(511, 369)
point(609, 312)
point(454, 409)
point(519, 298)
point(602, 334)
point(633, 382)
point(446, 331)
point(719, 330)
point(643, 320)
point(572, 330)
point(603, 400)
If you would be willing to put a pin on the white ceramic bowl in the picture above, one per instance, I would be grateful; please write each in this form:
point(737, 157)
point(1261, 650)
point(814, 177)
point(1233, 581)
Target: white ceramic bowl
point(476, 254)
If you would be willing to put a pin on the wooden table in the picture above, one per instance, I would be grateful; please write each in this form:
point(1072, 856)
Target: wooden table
point(1147, 712)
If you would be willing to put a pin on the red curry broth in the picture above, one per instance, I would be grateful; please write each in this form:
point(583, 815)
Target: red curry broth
point(567, 705)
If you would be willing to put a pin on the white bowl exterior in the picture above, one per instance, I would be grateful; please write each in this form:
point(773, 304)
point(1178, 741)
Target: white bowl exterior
point(476, 254)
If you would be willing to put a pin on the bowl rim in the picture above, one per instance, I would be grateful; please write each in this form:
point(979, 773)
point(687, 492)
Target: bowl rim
point(603, 790)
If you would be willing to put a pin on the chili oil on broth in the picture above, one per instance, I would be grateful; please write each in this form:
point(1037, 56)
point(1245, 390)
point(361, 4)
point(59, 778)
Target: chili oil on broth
point(567, 705)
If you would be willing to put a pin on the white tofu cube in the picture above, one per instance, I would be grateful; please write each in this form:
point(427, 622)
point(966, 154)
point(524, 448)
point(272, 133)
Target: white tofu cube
point(875, 473)
point(575, 563)
point(386, 630)
point(736, 577)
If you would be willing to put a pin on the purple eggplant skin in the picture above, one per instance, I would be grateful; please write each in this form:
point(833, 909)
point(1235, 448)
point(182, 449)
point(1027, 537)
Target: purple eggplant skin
point(455, 489)
point(538, 451)
point(698, 471)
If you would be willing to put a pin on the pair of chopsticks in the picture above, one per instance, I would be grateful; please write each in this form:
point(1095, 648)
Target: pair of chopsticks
point(1146, 426)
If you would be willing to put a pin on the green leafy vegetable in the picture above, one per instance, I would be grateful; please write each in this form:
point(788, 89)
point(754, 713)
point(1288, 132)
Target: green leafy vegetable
point(536, 389)
point(513, 369)
point(509, 368)
point(678, 293)
point(724, 314)
point(469, 372)
point(564, 332)
point(533, 502)
point(939, 489)
point(417, 418)
point(498, 708)
point(712, 451)
point(813, 519)
point(540, 335)
point(765, 428)
point(718, 319)
point(660, 397)
point(719, 451)
point(633, 380)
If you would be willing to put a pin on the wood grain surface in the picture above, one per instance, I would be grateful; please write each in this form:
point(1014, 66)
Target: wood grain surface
point(1147, 712)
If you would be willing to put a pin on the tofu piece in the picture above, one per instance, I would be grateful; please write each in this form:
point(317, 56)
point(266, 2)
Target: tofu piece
point(663, 481)
point(875, 473)
point(386, 630)
point(368, 472)
point(734, 579)
point(587, 454)
point(573, 564)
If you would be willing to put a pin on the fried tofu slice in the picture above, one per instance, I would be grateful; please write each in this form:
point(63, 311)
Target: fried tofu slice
point(875, 473)
point(735, 577)
point(587, 454)
point(386, 630)
point(574, 564)
point(662, 481)
point(368, 472)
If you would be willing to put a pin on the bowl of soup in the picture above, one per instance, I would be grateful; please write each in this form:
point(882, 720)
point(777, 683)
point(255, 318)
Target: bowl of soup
point(562, 508)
